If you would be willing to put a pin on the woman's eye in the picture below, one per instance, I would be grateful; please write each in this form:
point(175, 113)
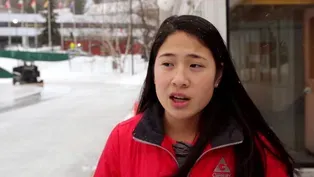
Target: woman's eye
point(196, 66)
point(167, 64)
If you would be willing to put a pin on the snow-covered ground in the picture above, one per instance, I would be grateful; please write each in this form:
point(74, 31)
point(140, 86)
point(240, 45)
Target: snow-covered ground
point(9, 93)
point(96, 69)
point(86, 69)
point(64, 132)
point(62, 136)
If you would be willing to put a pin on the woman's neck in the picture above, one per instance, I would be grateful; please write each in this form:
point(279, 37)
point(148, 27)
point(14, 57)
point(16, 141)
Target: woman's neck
point(184, 130)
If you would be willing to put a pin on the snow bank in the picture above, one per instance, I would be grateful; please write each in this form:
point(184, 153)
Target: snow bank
point(86, 69)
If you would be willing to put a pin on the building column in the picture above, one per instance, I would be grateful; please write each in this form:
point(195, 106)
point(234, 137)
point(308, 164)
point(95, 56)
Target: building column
point(215, 11)
point(163, 15)
point(174, 8)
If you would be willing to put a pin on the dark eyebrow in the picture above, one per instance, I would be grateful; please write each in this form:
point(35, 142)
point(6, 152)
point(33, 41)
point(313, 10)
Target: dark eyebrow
point(167, 55)
point(195, 56)
point(189, 55)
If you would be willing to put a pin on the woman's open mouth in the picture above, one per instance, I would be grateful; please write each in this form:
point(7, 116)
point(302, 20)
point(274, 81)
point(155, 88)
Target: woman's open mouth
point(179, 100)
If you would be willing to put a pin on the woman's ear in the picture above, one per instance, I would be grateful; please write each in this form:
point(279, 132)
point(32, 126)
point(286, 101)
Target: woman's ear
point(218, 75)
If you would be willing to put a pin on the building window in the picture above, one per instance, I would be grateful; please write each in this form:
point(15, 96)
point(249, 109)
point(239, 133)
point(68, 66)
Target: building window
point(262, 47)
point(268, 44)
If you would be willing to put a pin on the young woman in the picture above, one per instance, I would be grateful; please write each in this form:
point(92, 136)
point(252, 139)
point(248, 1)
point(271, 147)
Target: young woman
point(194, 116)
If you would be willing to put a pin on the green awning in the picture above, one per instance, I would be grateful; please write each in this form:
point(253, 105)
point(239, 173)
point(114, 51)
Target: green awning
point(5, 74)
point(34, 56)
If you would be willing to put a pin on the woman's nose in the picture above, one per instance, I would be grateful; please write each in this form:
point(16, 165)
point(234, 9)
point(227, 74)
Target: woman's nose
point(180, 78)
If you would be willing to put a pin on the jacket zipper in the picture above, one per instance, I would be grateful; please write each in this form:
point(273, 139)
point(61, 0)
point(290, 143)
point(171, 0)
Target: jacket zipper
point(215, 148)
point(200, 157)
point(145, 142)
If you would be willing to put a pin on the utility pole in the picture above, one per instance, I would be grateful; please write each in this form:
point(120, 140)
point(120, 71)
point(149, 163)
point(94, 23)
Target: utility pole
point(9, 25)
point(131, 40)
point(49, 25)
point(36, 27)
point(74, 23)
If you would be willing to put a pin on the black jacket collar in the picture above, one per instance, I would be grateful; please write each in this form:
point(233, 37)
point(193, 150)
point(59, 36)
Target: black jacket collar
point(150, 129)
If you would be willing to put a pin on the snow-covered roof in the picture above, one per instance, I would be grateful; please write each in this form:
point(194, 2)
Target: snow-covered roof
point(108, 13)
point(117, 19)
point(18, 31)
point(99, 32)
point(67, 17)
point(30, 18)
point(119, 7)
point(22, 31)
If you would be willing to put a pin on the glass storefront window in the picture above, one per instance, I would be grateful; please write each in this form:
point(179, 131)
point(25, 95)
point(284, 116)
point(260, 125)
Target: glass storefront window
point(271, 43)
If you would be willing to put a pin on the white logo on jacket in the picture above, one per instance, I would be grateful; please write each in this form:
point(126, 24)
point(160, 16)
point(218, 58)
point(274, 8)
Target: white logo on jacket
point(222, 169)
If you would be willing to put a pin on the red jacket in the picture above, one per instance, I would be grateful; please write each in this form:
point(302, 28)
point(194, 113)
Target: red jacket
point(137, 148)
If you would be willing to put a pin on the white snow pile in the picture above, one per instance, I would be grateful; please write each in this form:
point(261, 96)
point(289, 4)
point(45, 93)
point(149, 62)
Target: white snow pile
point(86, 69)
point(39, 49)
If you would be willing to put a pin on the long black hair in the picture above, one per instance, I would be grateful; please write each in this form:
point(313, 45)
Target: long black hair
point(229, 102)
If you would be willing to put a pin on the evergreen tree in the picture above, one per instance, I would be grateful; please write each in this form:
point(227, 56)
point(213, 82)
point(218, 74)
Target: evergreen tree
point(79, 6)
point(55, 35)
point(98, 1)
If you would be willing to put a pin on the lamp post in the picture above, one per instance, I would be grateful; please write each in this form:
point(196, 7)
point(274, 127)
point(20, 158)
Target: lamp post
point(131, 38)
point(15, 22)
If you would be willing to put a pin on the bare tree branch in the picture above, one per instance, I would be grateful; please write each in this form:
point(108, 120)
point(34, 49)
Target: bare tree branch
point(148, 13)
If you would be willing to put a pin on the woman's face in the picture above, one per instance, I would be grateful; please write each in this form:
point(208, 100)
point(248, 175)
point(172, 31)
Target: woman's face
point(185, 73)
